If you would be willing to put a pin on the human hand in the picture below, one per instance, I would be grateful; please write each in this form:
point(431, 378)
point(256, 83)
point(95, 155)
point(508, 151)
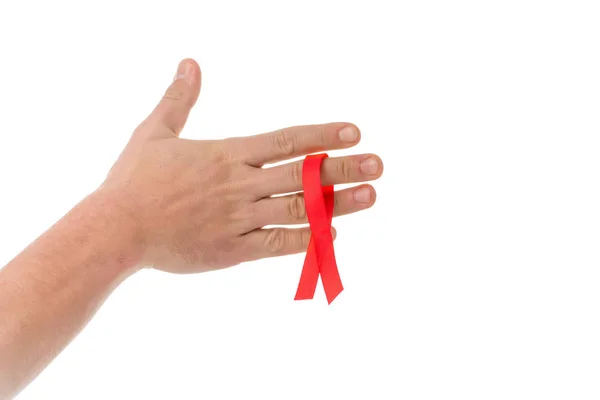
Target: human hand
point(199, 205)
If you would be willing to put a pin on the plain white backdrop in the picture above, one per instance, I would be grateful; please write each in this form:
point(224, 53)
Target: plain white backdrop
point(475, 276)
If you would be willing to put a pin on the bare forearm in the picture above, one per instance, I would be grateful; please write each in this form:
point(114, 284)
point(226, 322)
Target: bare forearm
point(50, 290)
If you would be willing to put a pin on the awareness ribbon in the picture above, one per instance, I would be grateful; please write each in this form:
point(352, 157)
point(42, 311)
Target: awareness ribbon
point(320, 257)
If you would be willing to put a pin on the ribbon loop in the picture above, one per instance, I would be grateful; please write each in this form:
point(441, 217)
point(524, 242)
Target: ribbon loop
point(320, 256)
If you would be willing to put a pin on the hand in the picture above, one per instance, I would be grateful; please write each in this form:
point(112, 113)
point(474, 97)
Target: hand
point(201, 205)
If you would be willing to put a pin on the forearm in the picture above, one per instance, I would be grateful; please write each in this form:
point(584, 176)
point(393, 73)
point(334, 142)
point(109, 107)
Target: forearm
point(50, 291)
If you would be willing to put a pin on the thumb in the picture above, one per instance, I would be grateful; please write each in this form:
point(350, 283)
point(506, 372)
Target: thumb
point(173, 109)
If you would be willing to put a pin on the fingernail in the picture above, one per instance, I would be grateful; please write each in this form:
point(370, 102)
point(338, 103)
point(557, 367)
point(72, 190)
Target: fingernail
point(362, 195)
point(348, 134)
point(184, 71)
point(369, 166)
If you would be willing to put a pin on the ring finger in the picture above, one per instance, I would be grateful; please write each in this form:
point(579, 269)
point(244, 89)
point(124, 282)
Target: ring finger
point(334, 170)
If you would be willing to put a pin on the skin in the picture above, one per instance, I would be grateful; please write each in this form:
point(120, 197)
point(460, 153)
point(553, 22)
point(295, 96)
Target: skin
point(182, 206)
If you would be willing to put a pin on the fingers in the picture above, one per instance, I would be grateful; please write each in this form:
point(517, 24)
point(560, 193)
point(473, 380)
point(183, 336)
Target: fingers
point(172, 111)
point(334, 170)
point(291, 209)
point(275, 242)
point(295, 141)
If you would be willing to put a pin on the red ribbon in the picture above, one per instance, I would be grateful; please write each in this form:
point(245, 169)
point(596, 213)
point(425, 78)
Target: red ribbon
point(320, 257)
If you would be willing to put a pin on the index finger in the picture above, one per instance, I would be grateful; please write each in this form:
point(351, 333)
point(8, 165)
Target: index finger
point(296, 141)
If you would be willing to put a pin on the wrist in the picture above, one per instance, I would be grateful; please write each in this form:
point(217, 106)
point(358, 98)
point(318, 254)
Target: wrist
point(118, 228)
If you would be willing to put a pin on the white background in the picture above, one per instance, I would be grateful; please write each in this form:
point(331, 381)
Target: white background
point(475, 276)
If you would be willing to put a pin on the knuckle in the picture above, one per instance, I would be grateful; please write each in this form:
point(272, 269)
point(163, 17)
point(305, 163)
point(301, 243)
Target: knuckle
point(295, 207)
point(219, 152)
point(337, 206)
point(305, 238)
point(345, 169)
point(296, 173)
point(225, 246)
point(276, 241)
point(241, 218)
point(173, 93)
point(322, 138)
point(285, 142)
point(233, 148)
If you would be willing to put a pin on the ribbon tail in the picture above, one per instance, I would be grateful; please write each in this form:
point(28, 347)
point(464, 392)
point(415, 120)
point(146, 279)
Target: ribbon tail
point(330, 276)
point(310, 274)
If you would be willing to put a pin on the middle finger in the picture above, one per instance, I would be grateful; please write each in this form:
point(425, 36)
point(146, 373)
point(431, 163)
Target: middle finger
point(287, 178)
